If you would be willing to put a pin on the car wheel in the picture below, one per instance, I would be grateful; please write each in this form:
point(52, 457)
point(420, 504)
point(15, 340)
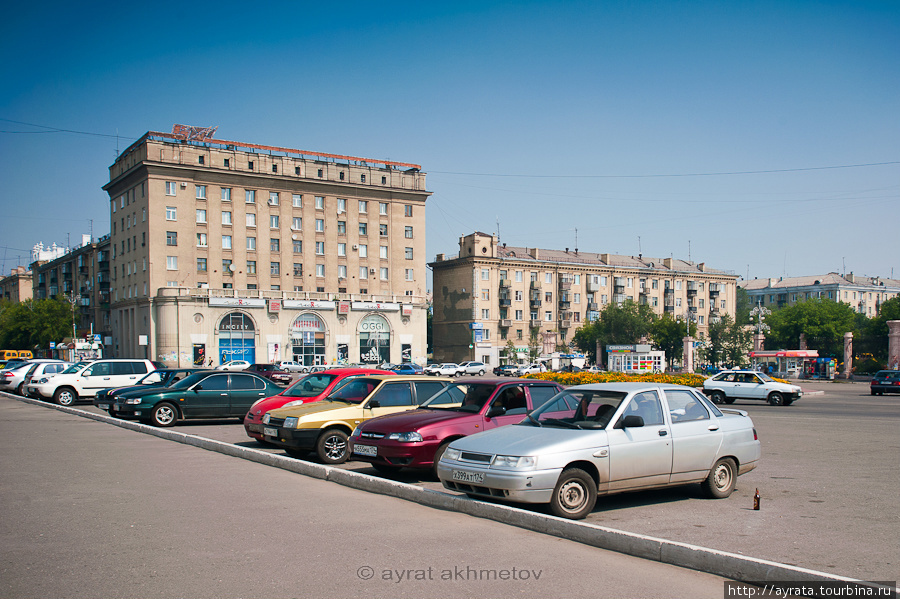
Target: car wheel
point(21, 389)
point(729, 400)
point(163, 414)
point(776, 399)
point(437, 457)
point(112, 413)
point(720, 482)
point(575, 494)
point(65, 396)
point(332, 446)
point(717, 397)
point(386, 468)
point(481, 372)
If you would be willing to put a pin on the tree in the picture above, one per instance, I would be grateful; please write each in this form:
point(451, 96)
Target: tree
point(873, 332)
point(511, 357)
point(35, 323)
point(743, 305)
point(622, 323)
point(823, 321)
point(668, 335)
point(717, 338)
point(534, 346)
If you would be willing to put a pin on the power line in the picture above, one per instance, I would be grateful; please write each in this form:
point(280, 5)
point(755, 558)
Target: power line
point(55, 130)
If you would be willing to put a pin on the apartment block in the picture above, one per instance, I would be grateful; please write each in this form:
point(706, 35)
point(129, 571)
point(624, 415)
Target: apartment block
point(491, 293)
point(236, 250)
point(864, 294)
point(16, 287)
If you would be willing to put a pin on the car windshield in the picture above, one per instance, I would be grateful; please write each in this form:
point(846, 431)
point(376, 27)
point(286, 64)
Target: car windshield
point(765, 377)
point(189, 380)
point(310, 385)
point(465, 397)
point(578, 409)
point(355, 390)
point(152, 377)
point(75, 367)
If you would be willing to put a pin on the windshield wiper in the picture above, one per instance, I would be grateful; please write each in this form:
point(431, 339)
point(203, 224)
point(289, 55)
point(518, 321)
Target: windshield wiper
point(562, 422)
point(534, 420)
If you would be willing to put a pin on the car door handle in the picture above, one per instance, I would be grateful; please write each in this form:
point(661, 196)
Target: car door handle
point(223, 394)
point(663, 432)
point(713, 427)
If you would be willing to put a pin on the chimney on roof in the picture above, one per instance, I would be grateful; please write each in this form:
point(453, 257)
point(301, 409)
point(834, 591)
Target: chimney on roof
point(667, 262)
point(604, 258)
point(567, 250)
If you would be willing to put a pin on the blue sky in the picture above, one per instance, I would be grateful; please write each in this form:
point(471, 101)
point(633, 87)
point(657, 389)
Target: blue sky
point(701, 130)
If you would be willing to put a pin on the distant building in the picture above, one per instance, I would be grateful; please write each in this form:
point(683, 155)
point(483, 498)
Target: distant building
point(491, 294)
point(17, 286)
point(864, 294)
point(231, 250)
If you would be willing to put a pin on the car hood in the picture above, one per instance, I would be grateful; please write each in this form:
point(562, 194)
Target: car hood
point(524, 440)
point(415, 420)
point(315, 407)
point(277, 401)
point(134, 391)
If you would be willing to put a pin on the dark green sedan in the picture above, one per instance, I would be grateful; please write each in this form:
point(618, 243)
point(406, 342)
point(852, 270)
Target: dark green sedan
point(209, 394)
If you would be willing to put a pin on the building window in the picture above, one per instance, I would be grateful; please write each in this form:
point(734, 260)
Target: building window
point(226, 267)
point(320, 270)
point(382, 208)
point(383, 180)
point(274, 244)
point(342, 175)
point(486, 294)
point(171, 262)
point(548, 277)
point(519, 276)
point(226, 162)
point(201, 264)
point(342, 271)
point(297, 223)
point(320, 225)
point(485, 274)
point(485, 314)
point(363, 273)
point(273, 221)
point(201, 191)
point(298, 269)
point(298, 246)
point(201, 240)
point(251, 243)
point(171, 238)
point(383, 230)
point(342, 227)
point(226, 194)
point(362, 178)
point(320, 248)
point(384, 273)
point(251, 219)
point(407, 210)
point(342, 249)
point(409, 253)
point(144, 214)
point(518, 296)
point(407, 232)
point(320, 202)
point(274, 168)
point(273, 196)
point(250, 165)
point(548, 296)
point(363, 206)
point(226, 242)
point(226, 218)
point(363, 251)
point(342, 205)
point(383, 252)
point(201, 216)
point(275, 269)
point(409, 274)
point(320, 173)
point(171, 213)
point(363, 229)
point(297, 200)
point(170, 191)
point(251, 267)
point(250, 196)
point(518, 315)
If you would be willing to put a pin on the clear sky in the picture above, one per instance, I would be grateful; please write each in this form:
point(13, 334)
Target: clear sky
point(758, 137)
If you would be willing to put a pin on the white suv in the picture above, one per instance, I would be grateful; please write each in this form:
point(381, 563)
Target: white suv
point(478, 368)
point(730, 385)
point(532, 368)
point(84, 379)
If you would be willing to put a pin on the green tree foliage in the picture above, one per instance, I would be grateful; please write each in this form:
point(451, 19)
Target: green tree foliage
point(727, 342)
point(743, 306)
point(34, 323)
point(668, 335)
point(872, 336)
point(618, 324)
point(511, 354)
point(534, 345)
point(823, 321)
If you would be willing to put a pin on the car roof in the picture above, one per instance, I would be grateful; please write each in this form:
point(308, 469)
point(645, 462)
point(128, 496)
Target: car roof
point(625, 387)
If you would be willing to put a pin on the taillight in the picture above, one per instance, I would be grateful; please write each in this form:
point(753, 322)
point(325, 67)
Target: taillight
point(755, 436)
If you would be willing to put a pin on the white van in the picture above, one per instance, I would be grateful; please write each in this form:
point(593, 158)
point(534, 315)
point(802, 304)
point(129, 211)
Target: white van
point(84, 379)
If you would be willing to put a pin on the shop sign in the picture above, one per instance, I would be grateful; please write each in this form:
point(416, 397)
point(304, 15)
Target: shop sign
point(406, 310)
point(308, 304)
point(344, 308)
point(373, 324)
point(243, 302)
point(375, 306)
point(274, 305)
point(476, 325)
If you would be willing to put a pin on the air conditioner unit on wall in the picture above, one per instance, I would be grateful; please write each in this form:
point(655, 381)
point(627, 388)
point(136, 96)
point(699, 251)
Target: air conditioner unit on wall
point(371, 271)
point(183, 185)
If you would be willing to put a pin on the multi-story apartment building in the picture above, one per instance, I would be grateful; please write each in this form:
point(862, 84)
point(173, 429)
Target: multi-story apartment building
point(82, 277)
point(231, 250)
point(17, 286)
point(864, 294)
point(490, 294)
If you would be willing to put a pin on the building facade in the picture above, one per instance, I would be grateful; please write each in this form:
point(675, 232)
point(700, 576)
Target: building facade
point(17, 286)
point(82, 277)
point(864, 294)
point(491, 294)
point(226, 250)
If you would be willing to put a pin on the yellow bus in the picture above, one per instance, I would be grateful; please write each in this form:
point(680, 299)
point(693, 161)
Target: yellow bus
point(9, 354)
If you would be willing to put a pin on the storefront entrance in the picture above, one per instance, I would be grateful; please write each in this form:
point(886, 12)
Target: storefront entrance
point(308, 340)
point(237, 338)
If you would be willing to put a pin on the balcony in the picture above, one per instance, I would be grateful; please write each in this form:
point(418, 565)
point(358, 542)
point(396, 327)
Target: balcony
point(505, 283)
point(669, 291)
point(714, 289)
point(535, 303)
point(505, 302)
point(534, 324)
point(565, 283)
point(669, 309)
point(593, 306)
point(564, 304)
point(565, 324)
point(535, 285)
point(619, 298)
point(691, 289)
point(592, 285)
point(505, 323)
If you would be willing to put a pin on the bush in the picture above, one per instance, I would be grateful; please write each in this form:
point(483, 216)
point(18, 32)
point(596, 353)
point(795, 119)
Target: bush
point(583, 378)
point(866, 364)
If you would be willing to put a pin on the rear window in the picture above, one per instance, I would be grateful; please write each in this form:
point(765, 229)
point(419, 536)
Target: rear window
point(541, 395)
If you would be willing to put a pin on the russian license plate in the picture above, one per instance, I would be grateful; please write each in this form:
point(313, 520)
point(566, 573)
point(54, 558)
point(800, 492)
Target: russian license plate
point(468, 477)
point(270, 432)
point(103, 406)
point(368, 450)
point(254, 428)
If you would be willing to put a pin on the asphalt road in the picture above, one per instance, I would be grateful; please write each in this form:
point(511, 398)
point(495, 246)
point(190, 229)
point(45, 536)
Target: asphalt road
point(93, 510)
point(828, 481)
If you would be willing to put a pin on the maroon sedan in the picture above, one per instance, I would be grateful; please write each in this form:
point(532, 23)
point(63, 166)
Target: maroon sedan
point(418, 438)
point(312, 387)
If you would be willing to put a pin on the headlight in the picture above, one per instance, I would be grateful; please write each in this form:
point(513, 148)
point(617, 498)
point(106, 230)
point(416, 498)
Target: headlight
point(451, 454)
point(512, 462)
point(133, 400)
point(42, 381)
point(290, 422)
point(405, 437)
point(356, 432)
point(266, 418)
point(296, 402)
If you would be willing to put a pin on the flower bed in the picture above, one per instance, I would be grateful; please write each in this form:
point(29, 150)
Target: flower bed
point(583, 378)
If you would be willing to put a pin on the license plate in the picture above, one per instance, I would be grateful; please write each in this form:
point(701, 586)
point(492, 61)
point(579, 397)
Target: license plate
point(254, 428)
point(468, 477)
point(368, 450)
point(270, 432)
point(103, 406)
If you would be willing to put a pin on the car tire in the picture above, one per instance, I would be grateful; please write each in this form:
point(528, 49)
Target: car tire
point(112, 413)
point(387, 468)
point(65, 396)
point(481, 372)
point(575, 494)
point(20, 390)
point(717, 397)
point(729, 400)
point(437, 457)
point(332, 446)
point(775, 399)
point(720, 482)
point(164, 415)
point(873, 392)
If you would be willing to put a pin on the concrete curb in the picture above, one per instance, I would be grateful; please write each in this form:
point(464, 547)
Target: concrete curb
point(729, 565)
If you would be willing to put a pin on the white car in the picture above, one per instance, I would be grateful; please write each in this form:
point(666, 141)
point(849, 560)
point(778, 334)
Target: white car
point(730, 385)
point(447, 369)
point(82, 380)
point(478, 368)
point(289, 366)
point(234, 365)
point(533, 368)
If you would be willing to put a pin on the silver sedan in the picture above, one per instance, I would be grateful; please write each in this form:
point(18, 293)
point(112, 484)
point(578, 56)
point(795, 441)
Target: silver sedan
point(601, 439)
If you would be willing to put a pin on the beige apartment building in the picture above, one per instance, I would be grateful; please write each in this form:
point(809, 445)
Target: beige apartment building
point(226, 250)
point(864, 294)
point(490, 294)
point(16, 287)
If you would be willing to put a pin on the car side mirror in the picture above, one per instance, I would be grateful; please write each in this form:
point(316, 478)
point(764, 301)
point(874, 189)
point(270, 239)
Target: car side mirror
point(496, 411)
point(374, 404)
point(630, 421)
point(197, 388)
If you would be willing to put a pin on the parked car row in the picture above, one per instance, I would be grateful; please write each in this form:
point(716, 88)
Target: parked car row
point(453, 369)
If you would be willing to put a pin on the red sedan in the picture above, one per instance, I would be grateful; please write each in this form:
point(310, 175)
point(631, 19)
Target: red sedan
point(417, 439)
point(311, 387)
